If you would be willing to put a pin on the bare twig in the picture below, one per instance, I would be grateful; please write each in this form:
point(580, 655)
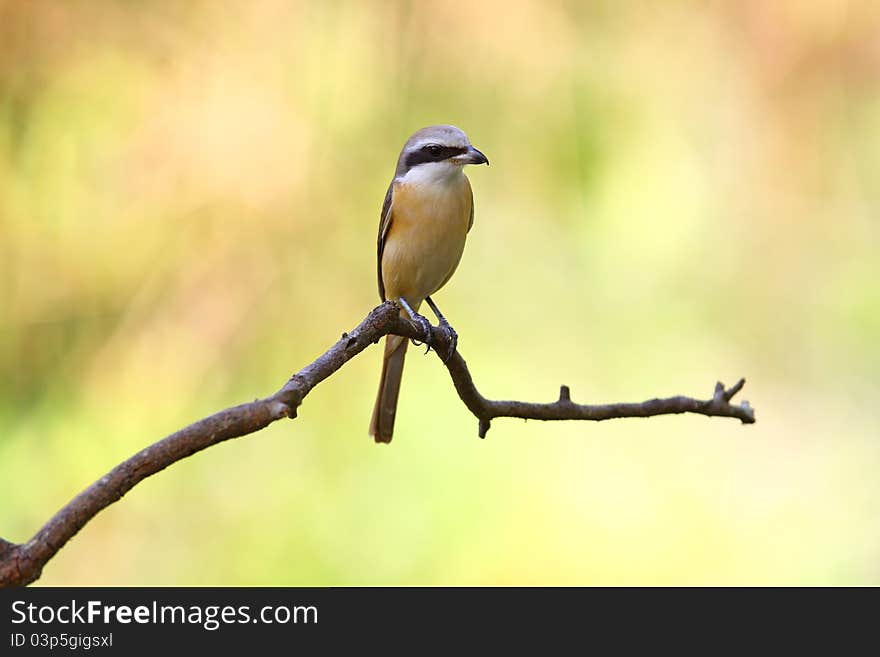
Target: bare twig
point(21, 564)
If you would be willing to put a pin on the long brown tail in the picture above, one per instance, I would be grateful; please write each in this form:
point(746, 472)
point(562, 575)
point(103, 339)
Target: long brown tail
point(382, 424)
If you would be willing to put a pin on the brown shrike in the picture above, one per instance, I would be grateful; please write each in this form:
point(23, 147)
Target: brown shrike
point(428, 211)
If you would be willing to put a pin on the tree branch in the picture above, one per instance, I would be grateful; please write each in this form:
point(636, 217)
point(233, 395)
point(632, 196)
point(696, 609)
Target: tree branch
point(21, 564)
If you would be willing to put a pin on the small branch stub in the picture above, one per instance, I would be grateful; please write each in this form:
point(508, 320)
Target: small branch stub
point(728, 394)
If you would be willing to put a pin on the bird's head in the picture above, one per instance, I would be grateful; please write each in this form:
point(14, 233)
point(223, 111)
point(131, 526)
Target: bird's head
point(439, 151)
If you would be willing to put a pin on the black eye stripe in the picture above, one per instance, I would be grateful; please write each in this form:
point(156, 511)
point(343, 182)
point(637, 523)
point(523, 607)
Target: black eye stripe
point(432, 153)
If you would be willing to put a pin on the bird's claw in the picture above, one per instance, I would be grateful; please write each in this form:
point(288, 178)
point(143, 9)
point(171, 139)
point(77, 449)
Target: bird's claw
point(451, 336)
point(425, 326)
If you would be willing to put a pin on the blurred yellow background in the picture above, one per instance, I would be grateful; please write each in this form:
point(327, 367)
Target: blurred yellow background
point(679, 192)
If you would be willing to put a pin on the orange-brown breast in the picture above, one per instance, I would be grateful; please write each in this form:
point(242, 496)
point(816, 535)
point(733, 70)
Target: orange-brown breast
point(426, 238)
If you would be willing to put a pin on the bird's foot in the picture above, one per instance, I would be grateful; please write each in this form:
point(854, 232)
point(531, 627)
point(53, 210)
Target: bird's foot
point(451, 336)
point(422, 322)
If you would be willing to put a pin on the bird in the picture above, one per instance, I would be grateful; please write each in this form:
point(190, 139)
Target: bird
point(426, 216)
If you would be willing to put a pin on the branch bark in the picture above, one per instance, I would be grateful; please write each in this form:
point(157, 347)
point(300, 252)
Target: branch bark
point(21, 564)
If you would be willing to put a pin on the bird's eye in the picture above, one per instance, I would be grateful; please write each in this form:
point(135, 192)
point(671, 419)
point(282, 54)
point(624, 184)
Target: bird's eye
point(433, 149)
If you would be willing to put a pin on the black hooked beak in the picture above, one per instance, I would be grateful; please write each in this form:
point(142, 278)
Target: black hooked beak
point(476, 157)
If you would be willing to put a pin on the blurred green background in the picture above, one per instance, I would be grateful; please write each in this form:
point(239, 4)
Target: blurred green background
point(679, 192)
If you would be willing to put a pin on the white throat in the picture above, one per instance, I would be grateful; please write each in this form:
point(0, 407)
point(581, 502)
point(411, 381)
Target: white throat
point(433, 173)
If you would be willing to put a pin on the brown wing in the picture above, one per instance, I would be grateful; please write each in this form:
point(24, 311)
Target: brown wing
point(384, 225)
